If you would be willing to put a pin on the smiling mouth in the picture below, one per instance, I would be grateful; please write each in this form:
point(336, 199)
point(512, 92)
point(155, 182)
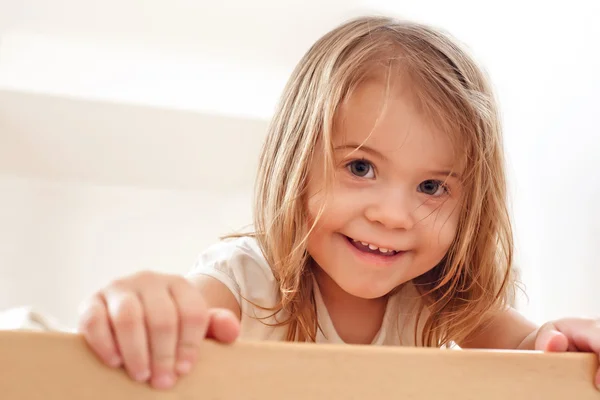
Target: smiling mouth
point(371, 248)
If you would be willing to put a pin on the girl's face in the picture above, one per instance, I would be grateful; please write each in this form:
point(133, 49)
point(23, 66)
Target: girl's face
point(392, 212)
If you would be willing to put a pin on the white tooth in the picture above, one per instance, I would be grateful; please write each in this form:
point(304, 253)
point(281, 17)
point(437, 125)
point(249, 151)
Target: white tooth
point(383, 250)
point(354, 240)
point(373, 247)
point(364, 243)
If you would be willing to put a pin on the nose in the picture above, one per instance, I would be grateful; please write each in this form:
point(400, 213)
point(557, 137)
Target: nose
point(392, 209)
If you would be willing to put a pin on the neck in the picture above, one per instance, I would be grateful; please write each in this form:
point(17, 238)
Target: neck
point(355, 319)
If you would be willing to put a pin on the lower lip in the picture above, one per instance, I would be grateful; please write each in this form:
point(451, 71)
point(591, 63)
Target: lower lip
point(378, 259)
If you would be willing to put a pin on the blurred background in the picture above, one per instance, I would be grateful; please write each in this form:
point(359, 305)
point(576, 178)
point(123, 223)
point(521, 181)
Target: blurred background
point(130, 131)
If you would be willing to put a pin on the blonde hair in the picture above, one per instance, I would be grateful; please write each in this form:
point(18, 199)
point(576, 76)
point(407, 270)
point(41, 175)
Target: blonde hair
point(475, 276)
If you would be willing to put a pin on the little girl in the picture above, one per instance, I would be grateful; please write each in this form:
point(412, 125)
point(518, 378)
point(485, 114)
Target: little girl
point(380, 218)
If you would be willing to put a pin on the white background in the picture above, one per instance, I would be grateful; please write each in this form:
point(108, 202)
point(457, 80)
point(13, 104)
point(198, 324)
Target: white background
point(129, 132)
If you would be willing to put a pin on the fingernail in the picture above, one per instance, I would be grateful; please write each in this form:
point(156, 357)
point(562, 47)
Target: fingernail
point(223, 314)
point(183, 367)
point(164, 381)
point(142, 376)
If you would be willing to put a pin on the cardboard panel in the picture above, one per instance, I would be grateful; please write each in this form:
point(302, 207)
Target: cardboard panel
point(36, 365)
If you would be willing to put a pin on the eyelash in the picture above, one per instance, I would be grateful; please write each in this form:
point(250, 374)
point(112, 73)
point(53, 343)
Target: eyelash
point(443, 185)
point(364, 160)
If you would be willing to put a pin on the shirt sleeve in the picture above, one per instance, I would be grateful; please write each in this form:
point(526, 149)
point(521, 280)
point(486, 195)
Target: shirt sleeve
point(241, 267)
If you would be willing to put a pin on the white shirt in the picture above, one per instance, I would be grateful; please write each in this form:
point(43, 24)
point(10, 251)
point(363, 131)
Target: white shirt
point(240, 265)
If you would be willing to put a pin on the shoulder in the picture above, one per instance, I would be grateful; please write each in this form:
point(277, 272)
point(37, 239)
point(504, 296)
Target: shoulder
point(231, 251)
point(241, 266)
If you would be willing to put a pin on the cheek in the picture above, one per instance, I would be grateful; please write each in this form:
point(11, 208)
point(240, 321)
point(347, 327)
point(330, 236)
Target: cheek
point(318, 207)
point(315, 207)
point(322, 209)
point(315, 197)
point(329, 206)
point(439, 224)
point(314, 203)
point(318, 238)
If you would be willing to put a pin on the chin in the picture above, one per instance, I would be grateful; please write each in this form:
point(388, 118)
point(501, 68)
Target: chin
point(367, 292)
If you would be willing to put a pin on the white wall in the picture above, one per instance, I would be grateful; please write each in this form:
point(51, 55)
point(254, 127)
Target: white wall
point(70, 220)
point(60, 241)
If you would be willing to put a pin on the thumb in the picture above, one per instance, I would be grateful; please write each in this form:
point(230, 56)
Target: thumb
point(223, 325)
point(551, 340)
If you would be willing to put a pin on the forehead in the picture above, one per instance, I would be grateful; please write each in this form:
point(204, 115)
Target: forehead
point(385, 116)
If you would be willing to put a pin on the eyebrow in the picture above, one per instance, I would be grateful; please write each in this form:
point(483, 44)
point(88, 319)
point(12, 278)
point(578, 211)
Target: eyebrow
point(367, 149)
point(445, 173)
point(363, 147)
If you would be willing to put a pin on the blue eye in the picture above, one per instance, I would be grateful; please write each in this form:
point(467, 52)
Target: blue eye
point(432, 187)
point(361, 168)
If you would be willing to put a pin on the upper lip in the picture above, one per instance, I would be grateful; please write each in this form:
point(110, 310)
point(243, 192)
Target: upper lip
point(395, 248)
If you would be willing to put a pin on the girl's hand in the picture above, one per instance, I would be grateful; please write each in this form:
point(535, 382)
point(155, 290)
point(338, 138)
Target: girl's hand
point(152, 324)
point(570, 334)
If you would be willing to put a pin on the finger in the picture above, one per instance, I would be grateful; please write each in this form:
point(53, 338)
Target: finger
point(583, 333)
point(127, 318)
point(549, 339)
point(162, 322)
point(193, 323)
point(95, 326)
point(572, 348)
point(224, 326)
